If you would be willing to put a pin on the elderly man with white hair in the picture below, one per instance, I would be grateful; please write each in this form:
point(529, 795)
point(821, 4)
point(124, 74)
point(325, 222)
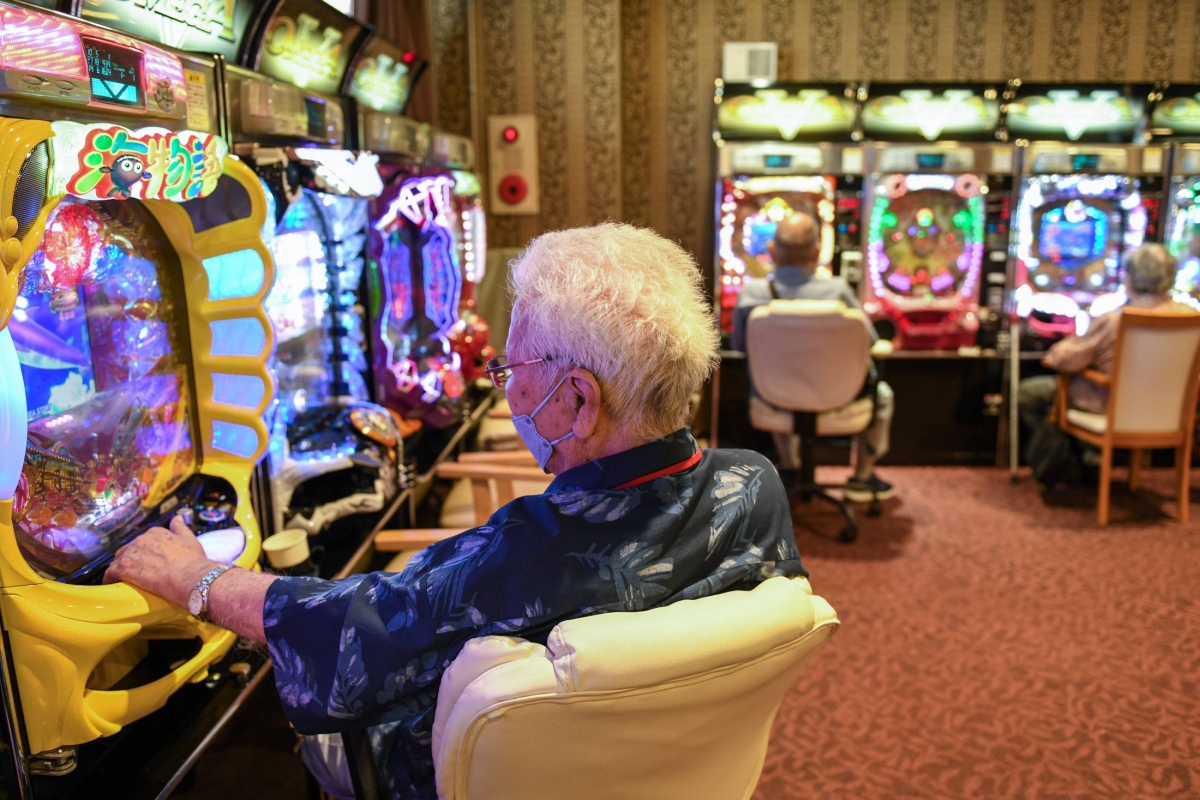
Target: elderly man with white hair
point(610, 337)
point(1149, 277)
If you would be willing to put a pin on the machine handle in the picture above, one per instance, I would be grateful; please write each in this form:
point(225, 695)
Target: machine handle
point(125, 706)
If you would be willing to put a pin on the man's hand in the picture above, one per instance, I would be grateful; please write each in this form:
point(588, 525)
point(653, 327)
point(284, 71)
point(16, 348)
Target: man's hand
point(164, 562)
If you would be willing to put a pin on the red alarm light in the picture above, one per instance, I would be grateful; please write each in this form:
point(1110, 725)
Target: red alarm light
point(409, 57)
point(511, 134)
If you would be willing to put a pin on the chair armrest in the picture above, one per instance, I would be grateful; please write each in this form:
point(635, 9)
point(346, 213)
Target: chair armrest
point(393, 541)
point(1097, 377)
point(485, 471)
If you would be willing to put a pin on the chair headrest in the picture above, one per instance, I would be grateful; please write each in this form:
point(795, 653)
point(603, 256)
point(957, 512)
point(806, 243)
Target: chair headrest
point(807, 355)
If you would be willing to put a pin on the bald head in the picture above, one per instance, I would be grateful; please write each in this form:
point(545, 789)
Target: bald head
point(797, 241)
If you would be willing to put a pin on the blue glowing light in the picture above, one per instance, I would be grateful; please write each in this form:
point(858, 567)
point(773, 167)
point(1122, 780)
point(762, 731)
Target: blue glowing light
point(238, 337)
point(229, 437)
point(238, 274)
point(13, 424)
point(246, 391)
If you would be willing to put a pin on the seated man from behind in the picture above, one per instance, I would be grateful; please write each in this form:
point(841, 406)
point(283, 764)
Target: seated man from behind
point(610, 337)
point(795, 251)
point(1149, 278)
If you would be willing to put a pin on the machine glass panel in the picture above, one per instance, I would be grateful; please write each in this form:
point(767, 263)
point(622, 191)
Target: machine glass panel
point(298, 306)
point(925, 245)
point(1071, 231)
point(1183, 238)
point(103, 353)
point(751, 208)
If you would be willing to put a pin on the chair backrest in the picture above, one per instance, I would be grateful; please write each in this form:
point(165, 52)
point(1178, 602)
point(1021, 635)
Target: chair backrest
point(1156, 371)
point(672, 703)
point(807, 355)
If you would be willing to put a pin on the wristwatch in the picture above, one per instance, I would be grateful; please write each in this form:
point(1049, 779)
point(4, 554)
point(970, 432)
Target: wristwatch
point(198, 599)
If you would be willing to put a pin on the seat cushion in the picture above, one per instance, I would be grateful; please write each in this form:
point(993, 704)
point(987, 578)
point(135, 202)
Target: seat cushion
point(1096, 423)
point(849, 419)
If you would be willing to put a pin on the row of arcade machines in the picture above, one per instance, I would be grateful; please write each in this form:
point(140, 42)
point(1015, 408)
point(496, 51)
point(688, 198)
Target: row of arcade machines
point(208, 308)
point(980, 224)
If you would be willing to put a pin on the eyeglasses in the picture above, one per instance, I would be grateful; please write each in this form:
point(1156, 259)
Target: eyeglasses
point(499, 370)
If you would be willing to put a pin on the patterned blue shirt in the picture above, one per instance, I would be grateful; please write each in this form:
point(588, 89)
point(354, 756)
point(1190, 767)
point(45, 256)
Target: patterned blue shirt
point(370, 650)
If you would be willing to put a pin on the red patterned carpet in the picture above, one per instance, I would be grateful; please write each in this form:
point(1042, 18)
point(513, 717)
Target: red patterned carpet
point(995, 644)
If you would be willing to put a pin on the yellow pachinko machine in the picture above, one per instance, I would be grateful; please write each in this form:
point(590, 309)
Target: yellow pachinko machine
point(133, 378)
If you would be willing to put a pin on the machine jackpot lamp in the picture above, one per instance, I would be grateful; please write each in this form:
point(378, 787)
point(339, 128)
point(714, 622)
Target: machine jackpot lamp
point(133, 374)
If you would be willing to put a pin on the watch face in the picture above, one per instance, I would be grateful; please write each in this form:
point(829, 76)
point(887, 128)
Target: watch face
point(195, 603)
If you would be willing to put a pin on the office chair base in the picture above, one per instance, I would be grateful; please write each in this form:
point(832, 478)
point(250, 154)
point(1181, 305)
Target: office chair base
point(819, 491)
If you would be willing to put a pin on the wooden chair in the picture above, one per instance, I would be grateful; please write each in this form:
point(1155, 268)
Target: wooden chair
point(493, 479)
point(1152, 398)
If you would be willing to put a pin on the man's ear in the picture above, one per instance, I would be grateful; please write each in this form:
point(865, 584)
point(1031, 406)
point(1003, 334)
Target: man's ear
point(587, 400)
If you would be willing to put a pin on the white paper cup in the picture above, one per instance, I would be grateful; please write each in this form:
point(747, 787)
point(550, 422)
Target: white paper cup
point(287, 549)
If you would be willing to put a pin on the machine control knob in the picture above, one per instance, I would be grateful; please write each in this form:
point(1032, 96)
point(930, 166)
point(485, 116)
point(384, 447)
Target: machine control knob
point(213, 516)
point(33, 80)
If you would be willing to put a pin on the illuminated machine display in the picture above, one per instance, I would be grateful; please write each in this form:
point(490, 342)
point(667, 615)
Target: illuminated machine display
point(1177, 116)
point(470, 336)
point(133, 377)
point(333, 453)
point(1082, 202)
point(782, 149)
point(419, 257)
point(930, 242)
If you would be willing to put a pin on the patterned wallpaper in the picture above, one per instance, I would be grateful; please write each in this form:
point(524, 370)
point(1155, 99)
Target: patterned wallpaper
point(623, 88)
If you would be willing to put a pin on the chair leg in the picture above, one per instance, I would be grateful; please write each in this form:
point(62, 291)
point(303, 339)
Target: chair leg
point(1105, 481)
point(1135, 468)
point(1183, 467)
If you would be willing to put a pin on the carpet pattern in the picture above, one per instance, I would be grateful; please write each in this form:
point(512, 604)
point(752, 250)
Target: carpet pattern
point(999, 644)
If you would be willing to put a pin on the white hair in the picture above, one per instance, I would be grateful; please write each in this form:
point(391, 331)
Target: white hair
point(625, 304)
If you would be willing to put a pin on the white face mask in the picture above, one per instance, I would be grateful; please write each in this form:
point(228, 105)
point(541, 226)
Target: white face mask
point(537, 444)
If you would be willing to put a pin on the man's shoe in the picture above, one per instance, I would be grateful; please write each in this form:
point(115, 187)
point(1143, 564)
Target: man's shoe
point(860, 491)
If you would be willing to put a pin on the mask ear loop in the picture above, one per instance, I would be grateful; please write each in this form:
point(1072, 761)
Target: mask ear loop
point(546, 399)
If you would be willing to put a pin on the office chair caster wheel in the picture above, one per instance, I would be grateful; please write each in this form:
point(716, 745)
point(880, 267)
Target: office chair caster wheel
point(875, 508)
point(849, 534)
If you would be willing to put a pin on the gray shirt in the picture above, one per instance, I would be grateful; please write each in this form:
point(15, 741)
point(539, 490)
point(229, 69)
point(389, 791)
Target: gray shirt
point(791, 283)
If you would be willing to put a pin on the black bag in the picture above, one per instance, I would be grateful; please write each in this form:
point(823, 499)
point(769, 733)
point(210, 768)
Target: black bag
point(1051, 455)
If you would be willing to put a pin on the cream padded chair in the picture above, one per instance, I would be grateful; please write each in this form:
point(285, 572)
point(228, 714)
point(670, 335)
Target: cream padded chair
point(671, 703)
point(1152, 398)
point(808, 361)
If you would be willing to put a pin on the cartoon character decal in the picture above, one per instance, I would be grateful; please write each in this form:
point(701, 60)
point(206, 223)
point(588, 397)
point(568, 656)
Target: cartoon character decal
point(125, 172)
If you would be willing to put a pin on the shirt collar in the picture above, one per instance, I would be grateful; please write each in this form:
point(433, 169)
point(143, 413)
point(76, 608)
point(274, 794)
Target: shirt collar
point(628, 465)
point(792, 275)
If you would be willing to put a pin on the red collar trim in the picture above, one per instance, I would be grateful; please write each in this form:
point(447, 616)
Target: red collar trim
point(687, 463)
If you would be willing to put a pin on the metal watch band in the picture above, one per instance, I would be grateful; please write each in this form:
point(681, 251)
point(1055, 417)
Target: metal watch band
point(202, 587)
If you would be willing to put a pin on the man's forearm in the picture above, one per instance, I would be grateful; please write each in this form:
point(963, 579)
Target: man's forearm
point(235, 602)
point(235, 599)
